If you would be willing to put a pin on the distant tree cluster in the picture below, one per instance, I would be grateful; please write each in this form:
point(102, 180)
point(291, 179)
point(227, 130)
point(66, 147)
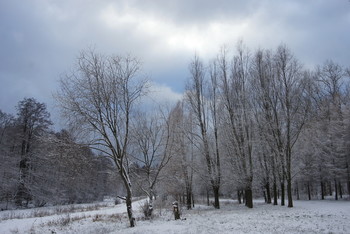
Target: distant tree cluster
point(40, 166)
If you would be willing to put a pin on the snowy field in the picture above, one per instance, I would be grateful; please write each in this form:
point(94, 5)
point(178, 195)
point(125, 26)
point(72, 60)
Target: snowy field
point(306, 217)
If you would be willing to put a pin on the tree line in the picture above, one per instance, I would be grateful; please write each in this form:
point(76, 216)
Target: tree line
point(40, 166)
point(272, 122)
point(250, 124)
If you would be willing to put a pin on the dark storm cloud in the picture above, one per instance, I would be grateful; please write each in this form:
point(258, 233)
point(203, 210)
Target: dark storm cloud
point(40, 39)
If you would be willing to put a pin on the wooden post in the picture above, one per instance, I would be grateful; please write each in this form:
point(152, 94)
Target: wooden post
point(176, 210)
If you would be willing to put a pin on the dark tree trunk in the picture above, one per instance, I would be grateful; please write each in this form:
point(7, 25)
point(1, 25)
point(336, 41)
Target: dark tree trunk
point(275, 199)
point(216, 197)
point(23, 196)
point(268, 193)
point(249, 198)
point(129, 210)
point(336, 189)
point(264, 194)
point(340, 190)
point(128, 199)
point(330, 188)
point(308, 190)
point(243, 196)
point(208, 200)
point(282, 194)
point(192, 200)
point(239, 196)
point(322, 190)
point(289, 190)
point(189, 196)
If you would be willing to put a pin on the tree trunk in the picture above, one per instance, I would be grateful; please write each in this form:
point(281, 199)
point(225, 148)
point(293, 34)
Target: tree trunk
point(128, 199)
point(336, 189)
point(308, 190)
point(282, 194)
point(239, 196)
point(243, 196)
point(289, 189)
point(268, 193)
point(216, 197)
point(192, 200)
point(208, 201)
point(340, 190)
point(129, 209)
point(322, 190)
point(249, 198)
point(23, 195)
point(189, 196)
point(149, 210)
point(275, 200)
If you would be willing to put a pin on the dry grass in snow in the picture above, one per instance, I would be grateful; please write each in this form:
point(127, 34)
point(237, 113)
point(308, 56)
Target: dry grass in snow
point(305, 217)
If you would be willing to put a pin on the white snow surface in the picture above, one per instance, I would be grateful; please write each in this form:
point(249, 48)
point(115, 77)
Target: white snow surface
point(305, 217)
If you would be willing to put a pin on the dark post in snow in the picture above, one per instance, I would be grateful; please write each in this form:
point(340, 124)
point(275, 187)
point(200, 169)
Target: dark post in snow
point(176, 210)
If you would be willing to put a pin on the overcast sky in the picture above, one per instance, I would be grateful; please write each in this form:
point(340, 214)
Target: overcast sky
point(40, 39)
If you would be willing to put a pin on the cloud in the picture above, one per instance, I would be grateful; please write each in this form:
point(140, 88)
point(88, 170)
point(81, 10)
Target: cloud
point(40, 39)
point(161, 95)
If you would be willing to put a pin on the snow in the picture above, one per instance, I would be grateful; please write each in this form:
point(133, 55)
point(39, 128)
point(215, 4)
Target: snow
point(306, 217)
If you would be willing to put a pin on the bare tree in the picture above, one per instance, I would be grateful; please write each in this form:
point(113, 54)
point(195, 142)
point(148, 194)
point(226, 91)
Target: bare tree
point(100, 95)
point(293, 107)
point(153, 137)
point(238, 111)
point(266, 116)
point(201, 97)
point(184, 141)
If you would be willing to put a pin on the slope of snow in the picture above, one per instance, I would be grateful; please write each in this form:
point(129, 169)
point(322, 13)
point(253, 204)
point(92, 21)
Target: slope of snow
point(305, 217)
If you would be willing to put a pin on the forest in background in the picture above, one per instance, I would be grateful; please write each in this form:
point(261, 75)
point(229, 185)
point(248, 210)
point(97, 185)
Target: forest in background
point(250, 124)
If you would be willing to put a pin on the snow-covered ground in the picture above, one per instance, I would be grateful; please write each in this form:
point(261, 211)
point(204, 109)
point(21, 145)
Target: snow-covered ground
point(306, 217)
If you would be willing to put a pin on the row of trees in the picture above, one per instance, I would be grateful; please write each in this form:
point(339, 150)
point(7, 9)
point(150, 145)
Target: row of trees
point(264, 116)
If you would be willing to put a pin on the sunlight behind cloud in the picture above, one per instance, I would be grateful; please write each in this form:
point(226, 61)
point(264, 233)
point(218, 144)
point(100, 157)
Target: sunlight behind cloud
point(204, 39)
